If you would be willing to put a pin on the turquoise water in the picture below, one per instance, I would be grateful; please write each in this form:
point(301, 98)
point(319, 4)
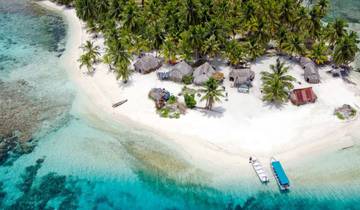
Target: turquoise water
point(83, 161)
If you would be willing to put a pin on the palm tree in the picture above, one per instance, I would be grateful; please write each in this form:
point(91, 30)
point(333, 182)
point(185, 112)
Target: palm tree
point(192, 40)
point(85, 60)
point(211, 47)
point(212, 93)
point(315, 26)
point(294, 45)
point(276, 84)
point(169, 49)
point(234, 52)
point(335, 31)
point(287, 11)
point(122, 70)
point(319, 53)
point(108, 59)
point(91, 50)
point(346, 49)
point(302, 20)
point(130, 15)
point(255, 49)
point(191, 12)
point(282, 38)
point(323, 6)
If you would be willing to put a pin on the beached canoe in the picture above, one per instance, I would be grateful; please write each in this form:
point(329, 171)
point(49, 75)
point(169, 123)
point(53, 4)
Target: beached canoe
point(259, 170)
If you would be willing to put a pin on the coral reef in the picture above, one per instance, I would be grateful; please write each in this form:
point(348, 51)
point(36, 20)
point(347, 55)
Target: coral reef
point(23, 114)
point(38, 192)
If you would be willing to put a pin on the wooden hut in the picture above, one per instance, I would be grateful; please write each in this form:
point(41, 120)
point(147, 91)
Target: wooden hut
point(203, 73)
point(311, 73)
point(241, 77)
point(179, 71)
point(147, 64)
point(303, 96)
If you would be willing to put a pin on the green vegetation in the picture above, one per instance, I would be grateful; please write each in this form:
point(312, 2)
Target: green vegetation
point(345, 49)
point(276, 84)
point(213, 93)
point(90, 56)
point(340, 116)
point(319, 53)
point(190, 100)
point(172, 99)
point(165, 112)
point(202, 29)
point(187, 79)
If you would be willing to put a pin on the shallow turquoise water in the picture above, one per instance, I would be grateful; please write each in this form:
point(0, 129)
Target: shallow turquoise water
point(82, 162)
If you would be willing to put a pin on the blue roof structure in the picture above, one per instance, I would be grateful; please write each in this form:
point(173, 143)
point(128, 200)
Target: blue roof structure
point(278, 169)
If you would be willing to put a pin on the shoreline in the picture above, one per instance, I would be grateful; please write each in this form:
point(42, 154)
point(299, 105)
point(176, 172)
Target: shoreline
point(195, 144)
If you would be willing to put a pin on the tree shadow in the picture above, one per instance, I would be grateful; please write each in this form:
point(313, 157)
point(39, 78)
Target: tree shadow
point(274, 105)
point(128, 84)
point(216, 112)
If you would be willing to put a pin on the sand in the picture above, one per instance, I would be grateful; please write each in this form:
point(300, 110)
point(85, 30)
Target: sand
point(242, 126)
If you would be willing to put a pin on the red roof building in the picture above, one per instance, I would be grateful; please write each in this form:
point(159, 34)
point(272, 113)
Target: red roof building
point(303, 96)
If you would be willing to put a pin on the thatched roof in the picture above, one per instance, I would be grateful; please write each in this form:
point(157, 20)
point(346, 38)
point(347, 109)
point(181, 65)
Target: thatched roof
point(157, 94)
point(203, 73)
point(311, 73)
point(147, 64)
point(241, 76)
point(179, 71)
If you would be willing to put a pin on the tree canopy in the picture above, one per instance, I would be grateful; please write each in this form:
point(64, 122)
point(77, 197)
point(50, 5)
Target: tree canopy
point(237, 30)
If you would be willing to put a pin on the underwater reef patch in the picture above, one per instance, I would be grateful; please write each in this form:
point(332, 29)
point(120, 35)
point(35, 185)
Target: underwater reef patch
point(23, 115)
point(37, 193)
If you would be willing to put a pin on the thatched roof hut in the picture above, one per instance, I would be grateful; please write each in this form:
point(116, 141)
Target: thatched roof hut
point(203, 73)
point(179, 71)
point(311, 73)
point(157, 94)
point(241, 77)
point(147, 64)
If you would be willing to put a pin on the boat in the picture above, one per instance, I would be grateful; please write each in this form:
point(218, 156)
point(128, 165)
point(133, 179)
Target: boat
point(259, 169)
point(280, 175)
point(119, 103)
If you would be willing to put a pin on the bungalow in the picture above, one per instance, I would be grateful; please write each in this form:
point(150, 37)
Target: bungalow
point(311, 73)
point(160, 96)
point(179, 71)
point(147, 64)
point(241, 77)
point(303, 96)
point(203, 73)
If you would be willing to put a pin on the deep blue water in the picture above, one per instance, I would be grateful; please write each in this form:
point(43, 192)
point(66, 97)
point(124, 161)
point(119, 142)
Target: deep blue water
point(81, 161)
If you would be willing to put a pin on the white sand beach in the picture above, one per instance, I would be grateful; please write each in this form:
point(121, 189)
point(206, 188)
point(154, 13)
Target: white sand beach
point(242, 126)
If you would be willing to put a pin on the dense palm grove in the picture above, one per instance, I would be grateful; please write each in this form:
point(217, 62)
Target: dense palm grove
point(238, 30)
point(198, 30)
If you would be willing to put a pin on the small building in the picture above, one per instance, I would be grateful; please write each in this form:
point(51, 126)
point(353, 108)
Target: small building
point(241, 77)
point(311, 73)
point(203, 73)
point(147, 64)
point(159, 93)
point(179, 71)
point(303, 96)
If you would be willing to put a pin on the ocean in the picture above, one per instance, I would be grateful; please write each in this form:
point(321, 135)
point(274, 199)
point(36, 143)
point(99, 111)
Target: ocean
point(67, 158)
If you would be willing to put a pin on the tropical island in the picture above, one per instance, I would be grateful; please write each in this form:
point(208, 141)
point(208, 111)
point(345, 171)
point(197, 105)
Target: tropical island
point(232, 73)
